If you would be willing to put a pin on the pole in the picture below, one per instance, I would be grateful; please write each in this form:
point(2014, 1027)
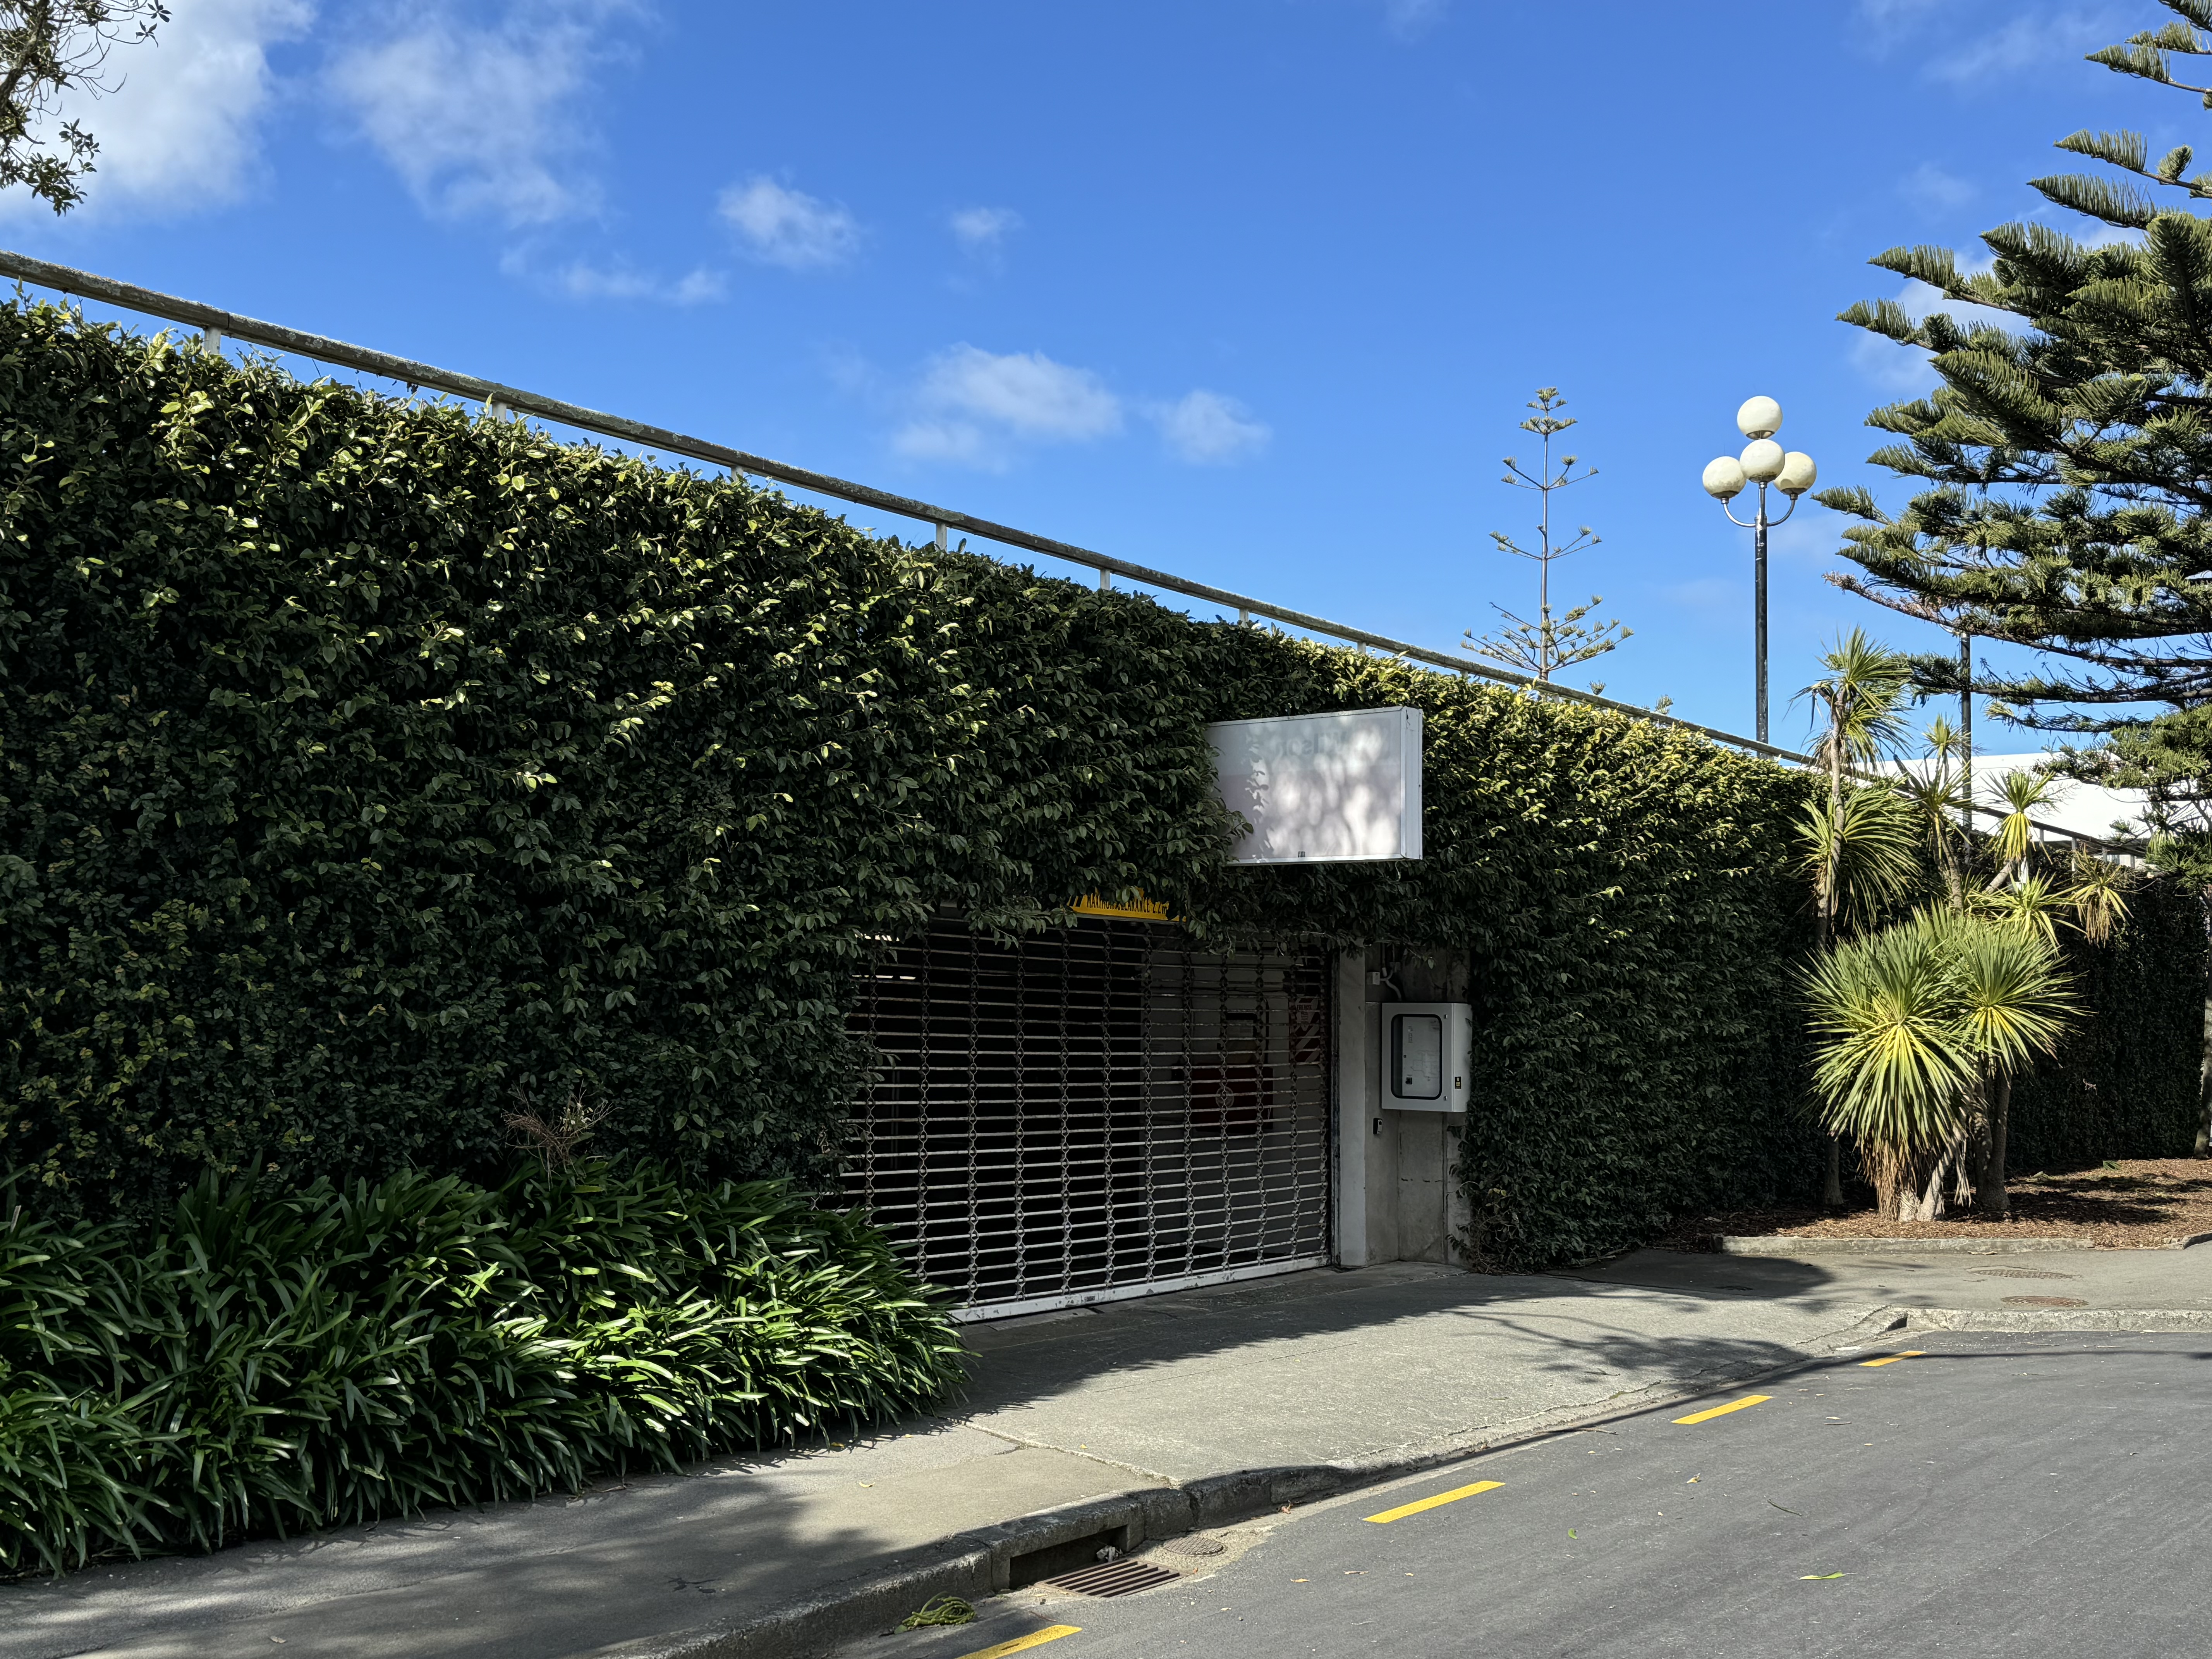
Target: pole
point(1759, 645)
point(1966, 722)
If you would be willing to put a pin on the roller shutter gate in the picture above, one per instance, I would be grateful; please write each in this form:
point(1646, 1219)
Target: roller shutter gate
point(1093, 1114)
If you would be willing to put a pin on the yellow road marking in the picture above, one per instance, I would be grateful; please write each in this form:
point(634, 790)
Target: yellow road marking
point(1451, 1496)
point(1035, 1639)
point(1910, 1353)
point(1723, 1411)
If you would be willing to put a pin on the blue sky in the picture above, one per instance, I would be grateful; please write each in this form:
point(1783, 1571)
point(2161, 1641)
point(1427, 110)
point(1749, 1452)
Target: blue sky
point(1250, 290)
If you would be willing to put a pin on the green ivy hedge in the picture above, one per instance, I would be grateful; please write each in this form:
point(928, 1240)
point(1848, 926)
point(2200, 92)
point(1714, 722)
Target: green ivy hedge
point(2126, 1084)
point(366, 766)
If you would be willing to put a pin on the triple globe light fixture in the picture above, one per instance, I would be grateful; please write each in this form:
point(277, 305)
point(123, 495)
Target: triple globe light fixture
point(1763, 462)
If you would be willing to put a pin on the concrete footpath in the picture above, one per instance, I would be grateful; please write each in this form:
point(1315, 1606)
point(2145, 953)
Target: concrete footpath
point(1137, 1421)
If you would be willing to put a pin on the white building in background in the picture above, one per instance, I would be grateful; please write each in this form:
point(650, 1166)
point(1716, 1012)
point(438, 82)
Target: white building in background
point(2085, 809)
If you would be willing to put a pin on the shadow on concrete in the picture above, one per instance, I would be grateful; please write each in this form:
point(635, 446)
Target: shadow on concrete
point(1360, 1367)
point(562, 1575)
point(1017, 1360)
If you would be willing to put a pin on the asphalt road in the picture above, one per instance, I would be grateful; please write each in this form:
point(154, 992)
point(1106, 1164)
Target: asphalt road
point(1992, 1495)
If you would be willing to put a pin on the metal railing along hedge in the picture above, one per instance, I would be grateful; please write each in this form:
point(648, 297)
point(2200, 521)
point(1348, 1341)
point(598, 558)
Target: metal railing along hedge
point(217, 324)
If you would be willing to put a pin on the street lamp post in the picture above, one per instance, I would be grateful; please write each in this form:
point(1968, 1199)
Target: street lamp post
point(1763, 462)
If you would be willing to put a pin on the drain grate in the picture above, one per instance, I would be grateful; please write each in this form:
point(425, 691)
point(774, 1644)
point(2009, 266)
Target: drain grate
point(2022, 1272)
point(2045, 1302)
point(1195, 1543)
point(1123, 1577)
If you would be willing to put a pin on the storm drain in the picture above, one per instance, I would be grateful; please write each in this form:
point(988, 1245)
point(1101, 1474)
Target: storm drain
point(1121, 1577)
point(2022, 1272)
point(1194, 1544)
point(2045, 1302)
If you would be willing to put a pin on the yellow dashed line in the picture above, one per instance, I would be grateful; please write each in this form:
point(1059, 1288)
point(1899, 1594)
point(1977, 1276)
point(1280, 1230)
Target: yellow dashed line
point(1451, 1496)
point(1035, 1639)
point(1723, 1411)
point(1910, 1353)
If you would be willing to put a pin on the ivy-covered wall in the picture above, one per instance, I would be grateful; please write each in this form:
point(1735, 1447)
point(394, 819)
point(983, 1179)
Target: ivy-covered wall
point(2126, 1084)
point(365, 767)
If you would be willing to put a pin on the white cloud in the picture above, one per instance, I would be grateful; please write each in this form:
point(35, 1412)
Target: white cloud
point(961, 442)
point(579, 279)
point(1929, 188)
point(2046, 37)
point(1900, 371)
point(972, 402)
point(1024, 392)
point(982, 228)
point(789, 228)
point(482, 120)
point(980, 408)
point(181, 132)
point(1207, 429)
point(1906, 371)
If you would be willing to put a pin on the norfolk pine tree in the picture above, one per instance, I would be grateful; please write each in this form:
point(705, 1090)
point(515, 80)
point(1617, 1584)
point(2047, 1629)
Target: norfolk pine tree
point(2065, 466)
point(1543, 646)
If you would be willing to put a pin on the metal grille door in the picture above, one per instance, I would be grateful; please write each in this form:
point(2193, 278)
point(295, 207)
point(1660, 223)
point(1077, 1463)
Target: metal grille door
point(1093, 1114)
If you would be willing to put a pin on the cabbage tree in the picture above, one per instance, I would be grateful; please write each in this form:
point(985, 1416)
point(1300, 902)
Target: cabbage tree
point(1921, 1028)
point(1854, 857)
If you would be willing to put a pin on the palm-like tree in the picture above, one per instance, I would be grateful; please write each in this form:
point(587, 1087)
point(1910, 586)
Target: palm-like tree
point(2098, 896)
point(2024, 900)
point(1852, 854)
point(2030, 905)
point(2013, 842)
point(1924, 1025)
point(1939, 796)
point(1861, 855)
point(1892, 1076)
point(2016, 1002)
point(1861, 698)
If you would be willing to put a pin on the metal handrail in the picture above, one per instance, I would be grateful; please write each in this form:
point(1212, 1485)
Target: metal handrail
point(217, 324)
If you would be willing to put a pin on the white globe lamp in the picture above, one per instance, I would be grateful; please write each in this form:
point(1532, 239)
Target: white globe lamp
point(1798, 474)
point(1763, 462)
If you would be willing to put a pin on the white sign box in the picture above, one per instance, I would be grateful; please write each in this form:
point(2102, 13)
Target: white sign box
point(1324, 788)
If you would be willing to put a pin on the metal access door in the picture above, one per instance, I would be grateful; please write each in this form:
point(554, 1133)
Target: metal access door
point(1093, 1114)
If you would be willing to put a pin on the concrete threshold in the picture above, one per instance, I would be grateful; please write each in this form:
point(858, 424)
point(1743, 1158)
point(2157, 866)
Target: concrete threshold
point(2088, 1320)
point(1820, 1244)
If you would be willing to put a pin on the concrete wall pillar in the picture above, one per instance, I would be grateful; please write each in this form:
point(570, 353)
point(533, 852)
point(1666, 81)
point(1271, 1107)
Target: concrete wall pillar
point(1366, 1163)
point(1397, 1186)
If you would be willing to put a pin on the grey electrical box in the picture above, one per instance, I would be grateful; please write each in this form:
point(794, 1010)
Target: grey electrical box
point(1426, 1051)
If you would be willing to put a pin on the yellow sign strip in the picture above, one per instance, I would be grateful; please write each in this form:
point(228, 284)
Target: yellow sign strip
point(1910, 1353)
point(1723, 1411)
point(1141, 910)
point(1035, 1639)
point(1441, 1499)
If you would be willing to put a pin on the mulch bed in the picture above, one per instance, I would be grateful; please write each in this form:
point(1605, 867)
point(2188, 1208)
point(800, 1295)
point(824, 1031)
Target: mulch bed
point(2131, 1204)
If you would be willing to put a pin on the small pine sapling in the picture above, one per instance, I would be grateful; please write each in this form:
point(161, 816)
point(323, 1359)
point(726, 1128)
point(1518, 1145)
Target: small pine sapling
point(1548, 643)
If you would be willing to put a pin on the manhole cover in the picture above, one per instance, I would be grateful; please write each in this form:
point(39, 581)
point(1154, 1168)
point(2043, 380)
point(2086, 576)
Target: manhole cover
point(1121, 1577)
point(2022, 1272)
point(1194, 1544)
point(2045, 1302)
